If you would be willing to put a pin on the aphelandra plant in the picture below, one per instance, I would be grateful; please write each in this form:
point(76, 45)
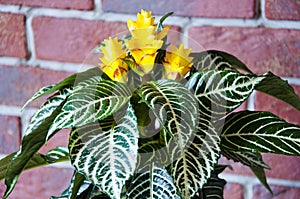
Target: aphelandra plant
point(153, 119)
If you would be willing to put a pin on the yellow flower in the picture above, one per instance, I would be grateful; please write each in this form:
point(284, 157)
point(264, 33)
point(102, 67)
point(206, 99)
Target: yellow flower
point(112, 63)
point(144, 25)
point(177, 62)
point(145, 41)
point(143, 50)
point(144, 20)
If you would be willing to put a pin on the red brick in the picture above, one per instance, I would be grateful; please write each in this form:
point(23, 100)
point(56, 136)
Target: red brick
point(70, 40)
point(61, 138)
point(20, 83)
point(283, 9)
point(262, 49)
point(237, 168)
point(279, 192)
point(64, 4)
point(242, 107)
point(203, 8)
point(12, 35)
point(278, 107)
point(40, 183)
point(283, 167)
point(233, 191)
point(10, 134)
point(174, 35)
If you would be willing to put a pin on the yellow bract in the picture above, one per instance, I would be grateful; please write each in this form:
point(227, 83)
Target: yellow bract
point(145, 41)
point(144, 20)
point(112, 63)
point(143, 50)
point(145, 25)
point(177, 62)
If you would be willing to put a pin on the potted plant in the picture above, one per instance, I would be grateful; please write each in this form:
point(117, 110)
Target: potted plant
point(153, 119)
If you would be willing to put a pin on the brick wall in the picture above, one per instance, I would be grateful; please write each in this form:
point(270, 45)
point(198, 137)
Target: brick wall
point(41, 42)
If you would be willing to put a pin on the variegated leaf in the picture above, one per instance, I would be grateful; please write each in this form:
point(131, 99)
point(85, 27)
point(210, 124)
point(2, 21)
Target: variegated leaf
point(90, 103)
point(217, 60)
point(87, 82)
point(57, 153)
point(174, 106)
point(46, 110)
point(66, 83)
point(220, 92)
point(194, 166)
point(260, 132)
point(36, 160)
point(38, 94)
point(246, 158)
point(106, 151)
point(153, 151)
point(152, 181)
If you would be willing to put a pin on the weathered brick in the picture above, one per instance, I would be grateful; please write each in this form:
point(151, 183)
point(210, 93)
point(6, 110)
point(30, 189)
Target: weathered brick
point(70, 40)
point(63, 4)
point(61, 138)
point(242, 107)
point(237, 168)
point(279, 192)
point(21, 82)
point(174, 35)
point(278, 107)
point(283, 9)
point(262, 49)
point(233, 191)
point(282, 166)
point(40, 183)
point(12, 35)
point(10, 134)
point(203, 8)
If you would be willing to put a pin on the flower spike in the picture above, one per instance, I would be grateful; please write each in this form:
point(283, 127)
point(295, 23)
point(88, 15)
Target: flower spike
point(177, 62)
point(112, 63)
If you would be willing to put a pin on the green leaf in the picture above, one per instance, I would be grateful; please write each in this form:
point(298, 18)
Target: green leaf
point(57, 154)
point(106, 151)
point(53, 156)
point(34, 139)
point(260, 174)
point(160, 23)
point(278, 88)
point(195, 164)
point(152, 151)
point(66, 83)
point(213, 189)
point(81, 189)
point(260, 132)
point(217, 60)
point(77, 181)
point(220, 168)
point(246, 158)
point(94, 101)
point(220, 92)
point(174, 106)
point(152, 181)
